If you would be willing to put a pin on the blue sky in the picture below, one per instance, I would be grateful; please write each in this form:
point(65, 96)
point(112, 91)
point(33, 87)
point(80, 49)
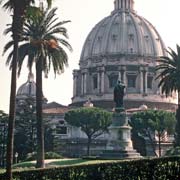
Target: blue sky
point(84, 14)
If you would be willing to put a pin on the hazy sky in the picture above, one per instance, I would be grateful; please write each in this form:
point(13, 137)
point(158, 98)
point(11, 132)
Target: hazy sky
point(84, 14)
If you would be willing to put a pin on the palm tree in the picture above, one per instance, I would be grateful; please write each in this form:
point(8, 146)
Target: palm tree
point(43, 47)
point(19, 11)
point(169, 75)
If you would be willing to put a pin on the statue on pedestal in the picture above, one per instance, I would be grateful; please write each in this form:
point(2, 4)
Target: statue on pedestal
point(119, 145)
point(119, 94)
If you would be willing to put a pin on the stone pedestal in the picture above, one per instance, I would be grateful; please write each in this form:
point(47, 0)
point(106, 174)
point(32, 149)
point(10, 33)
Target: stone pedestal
point(119, 144)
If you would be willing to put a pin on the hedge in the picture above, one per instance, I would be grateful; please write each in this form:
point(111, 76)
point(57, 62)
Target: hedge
point(167, 168)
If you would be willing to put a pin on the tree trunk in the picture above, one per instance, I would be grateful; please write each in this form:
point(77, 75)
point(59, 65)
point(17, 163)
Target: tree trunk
point(12, 107)
point(17, 25)
point(153, 145)
point(88, 146)
point(177, 131)
point(40, 128)
point(12, 110)
point(159, 144)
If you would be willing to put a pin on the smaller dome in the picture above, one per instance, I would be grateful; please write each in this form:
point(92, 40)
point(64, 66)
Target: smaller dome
point(28, 88)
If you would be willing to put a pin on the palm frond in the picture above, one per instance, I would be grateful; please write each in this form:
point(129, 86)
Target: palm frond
point(22, 53)
point(66, 44)
point(38, 32)
point(8, 46)
point(168, 72)
point(9, 59)
point(57, 25)
point(7, 30)
point(49, 2)
point(59, 30)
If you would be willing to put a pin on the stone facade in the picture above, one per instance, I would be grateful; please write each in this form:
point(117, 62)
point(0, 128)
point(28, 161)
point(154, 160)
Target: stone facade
point(123, 45)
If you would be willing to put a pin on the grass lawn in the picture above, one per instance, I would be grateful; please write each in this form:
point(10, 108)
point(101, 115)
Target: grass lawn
point(54, 163)
point(58, 162)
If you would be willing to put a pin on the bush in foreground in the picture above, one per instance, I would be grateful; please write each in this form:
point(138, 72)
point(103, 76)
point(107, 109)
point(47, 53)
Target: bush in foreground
point(145, 169)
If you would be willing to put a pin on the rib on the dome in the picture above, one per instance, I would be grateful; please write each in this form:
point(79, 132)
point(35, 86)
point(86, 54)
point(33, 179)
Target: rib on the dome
point(107, 34)
point(151, 48)
point(99, 36)
point(88, 45)
point(140, 42)
point(161, 49)
point(108, 38)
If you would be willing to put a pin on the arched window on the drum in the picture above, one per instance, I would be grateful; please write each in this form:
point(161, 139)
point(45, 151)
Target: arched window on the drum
point(95, 81)
point(113, 78)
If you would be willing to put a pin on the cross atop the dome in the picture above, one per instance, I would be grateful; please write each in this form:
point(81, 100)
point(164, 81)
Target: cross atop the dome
point(124, 5)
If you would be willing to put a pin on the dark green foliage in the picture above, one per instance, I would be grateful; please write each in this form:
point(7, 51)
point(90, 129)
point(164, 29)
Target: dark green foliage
point(173, 151)
point(148, 122)
point(145, 169)
point(3, 137)
point(168, 72)
point(92, 121)
point(158, 120)
point(25, 128)
point(48, 155)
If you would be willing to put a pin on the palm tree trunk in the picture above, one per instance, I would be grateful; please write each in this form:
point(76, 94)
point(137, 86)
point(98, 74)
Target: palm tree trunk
point(12, 111)
point(177, 132)
point(40, 128)
point(12, 104)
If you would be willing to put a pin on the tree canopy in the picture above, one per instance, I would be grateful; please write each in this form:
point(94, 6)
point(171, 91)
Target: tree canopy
point(149, 122)
point(92, 121)
point(168, 71)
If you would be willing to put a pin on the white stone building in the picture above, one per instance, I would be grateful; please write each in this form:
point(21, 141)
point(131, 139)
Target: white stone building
point(123, 45)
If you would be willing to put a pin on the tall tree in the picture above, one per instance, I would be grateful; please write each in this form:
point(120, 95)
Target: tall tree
point(44, 42)
point(153, 122)
point(92, 121)
point(169, 74)
point(25, 128)
point(3, 137)
point(19, 11)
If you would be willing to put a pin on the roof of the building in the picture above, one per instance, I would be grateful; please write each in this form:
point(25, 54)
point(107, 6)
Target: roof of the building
point(122, 33)
point(53, 104)
point(55, 111)
point(55, 108)
point(28, 88)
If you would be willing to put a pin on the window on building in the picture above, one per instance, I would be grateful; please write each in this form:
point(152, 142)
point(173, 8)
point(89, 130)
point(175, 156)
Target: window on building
point(113, 80)
point(131, 81)
point(95, 82)
point(149, 82)
point(62, 130)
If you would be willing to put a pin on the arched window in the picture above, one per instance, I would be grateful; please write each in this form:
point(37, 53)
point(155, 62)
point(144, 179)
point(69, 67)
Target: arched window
point(131, 81)
point(61, 128)
point(113, 80)
point(149, 82)
point(95, 82)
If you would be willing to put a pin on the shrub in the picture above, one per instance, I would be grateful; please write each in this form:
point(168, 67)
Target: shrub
point(173, 151)
point(52, 155)
point(48, 155)
point(144, 169)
